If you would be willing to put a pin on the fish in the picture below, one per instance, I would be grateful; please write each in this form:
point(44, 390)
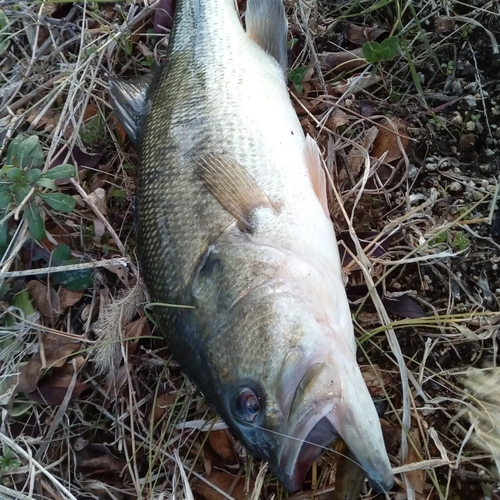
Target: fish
point(233, 227)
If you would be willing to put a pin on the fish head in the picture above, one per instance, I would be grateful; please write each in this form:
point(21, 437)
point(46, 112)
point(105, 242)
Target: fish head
point(288, 394)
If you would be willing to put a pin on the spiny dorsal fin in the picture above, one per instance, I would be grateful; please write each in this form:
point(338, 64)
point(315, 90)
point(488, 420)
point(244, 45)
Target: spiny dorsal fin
point(316, 172)
point(129, 99)
point(234, 188)
point(267, 25)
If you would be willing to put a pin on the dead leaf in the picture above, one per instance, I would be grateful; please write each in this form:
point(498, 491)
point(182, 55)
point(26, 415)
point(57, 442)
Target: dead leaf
point(52, 390)
point(223, 444)
point(162, 405)
point(358, 34)
point(225, 482)
point(387, 140)
point(415, 477)
point(346, 60)
point(376, 380)
point(97, 459)
point(444, 24)
point(356, 83)
point(355, 158)
point(337, 119)
point(68, 298)
point(46, 300)
point(56, 350)
point(164, 16)
point(135, 330)
point(121, 272)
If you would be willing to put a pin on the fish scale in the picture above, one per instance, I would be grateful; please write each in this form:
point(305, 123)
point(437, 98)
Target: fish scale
point(231, 222)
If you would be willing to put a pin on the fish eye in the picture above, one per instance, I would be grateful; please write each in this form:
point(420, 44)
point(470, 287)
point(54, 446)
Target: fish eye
point(248, 404)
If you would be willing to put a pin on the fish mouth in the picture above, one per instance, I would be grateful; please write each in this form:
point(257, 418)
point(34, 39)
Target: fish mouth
point(325, 407)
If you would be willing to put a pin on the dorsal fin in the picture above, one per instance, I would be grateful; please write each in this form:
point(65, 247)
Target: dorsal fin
point(233, 187)
point(316, 172)
point(129, 99)
point(267, 25)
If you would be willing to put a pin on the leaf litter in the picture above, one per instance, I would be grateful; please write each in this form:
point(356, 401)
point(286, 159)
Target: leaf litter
point(404, 105)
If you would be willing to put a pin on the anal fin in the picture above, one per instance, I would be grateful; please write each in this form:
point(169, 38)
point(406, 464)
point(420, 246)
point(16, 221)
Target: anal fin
point(234, 188)
point(267, 25)
point(316, 172)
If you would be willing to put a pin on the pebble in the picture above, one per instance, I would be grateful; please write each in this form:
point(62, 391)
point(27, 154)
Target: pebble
point(455, 186)
point(470, 126)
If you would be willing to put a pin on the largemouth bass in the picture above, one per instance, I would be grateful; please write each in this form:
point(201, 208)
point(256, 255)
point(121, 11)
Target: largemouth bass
point(233, 221)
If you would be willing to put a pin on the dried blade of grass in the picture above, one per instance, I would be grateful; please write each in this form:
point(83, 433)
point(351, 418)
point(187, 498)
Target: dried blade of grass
point(187, 488)
point(7, 441)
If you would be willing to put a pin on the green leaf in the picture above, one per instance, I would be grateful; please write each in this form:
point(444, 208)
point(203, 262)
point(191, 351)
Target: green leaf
point(43, 182)
point(29, 153)
point(75, 281)
point(15, 174)
point(60, 254)
point(20, 192)
point(371, 50)
point(33, 175)
point(36, 226)
point(11, 151)
point(297, 75)
point(4, 228)
point(59, 201)
point(22, 301)
point(60, 172)
point(4, 32)
point(5, 197)
point(390, 48)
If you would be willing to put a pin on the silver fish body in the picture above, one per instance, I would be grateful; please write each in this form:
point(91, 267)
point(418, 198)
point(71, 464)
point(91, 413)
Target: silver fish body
point(232, 222)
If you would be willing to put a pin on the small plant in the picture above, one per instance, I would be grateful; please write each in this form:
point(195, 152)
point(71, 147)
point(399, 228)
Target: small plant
point(9, 461)
point(297, 76)
point(4, 32)
point(385, 51)
point(20, 175)
point(460, 241)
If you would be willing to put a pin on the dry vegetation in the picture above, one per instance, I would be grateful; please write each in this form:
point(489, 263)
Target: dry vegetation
point(92, 406)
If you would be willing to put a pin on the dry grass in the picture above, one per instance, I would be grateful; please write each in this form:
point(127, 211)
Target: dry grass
point(428, 200)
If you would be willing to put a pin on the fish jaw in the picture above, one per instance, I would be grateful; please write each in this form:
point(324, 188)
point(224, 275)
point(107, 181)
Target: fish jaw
point(332, 401)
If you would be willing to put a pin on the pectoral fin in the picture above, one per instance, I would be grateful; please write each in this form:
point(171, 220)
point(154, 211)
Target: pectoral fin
point(267, 25)
point(234, 188)
point(316, 172)
point(129, 99)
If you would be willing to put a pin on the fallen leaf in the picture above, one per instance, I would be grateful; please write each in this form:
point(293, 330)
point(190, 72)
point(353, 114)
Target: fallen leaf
point(135, 330)
point(346, 60)
point(415, 477)
point(355, 158)
point(46, 300)
point(376, 380)
point(223, 444)
point(97, 459)
point(444, 24)
point(358, 34)
point(121, 272)
point(225, 482)
point(337, 119)
point(164, 16)
point(387, 140)
point(356, 83)
point(68, 298)
point(162, 405)
point(52, 389)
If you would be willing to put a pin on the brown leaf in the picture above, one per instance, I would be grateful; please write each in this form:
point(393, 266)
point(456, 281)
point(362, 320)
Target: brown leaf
point(347, 60)
point(162, 405)
point(97, 459)
point(223, 444)
point(46, 300)
point(68, 298)
point(135, 330)
point(358, 34)
point(376, 380)
point(225, 482)
point(355, 158)
point(337, 119)
point(356, 83)
point(387, 140)
point(444, 24)
point(52, 389)
point(416, 477)
point(121, 272)
point(29, 374)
